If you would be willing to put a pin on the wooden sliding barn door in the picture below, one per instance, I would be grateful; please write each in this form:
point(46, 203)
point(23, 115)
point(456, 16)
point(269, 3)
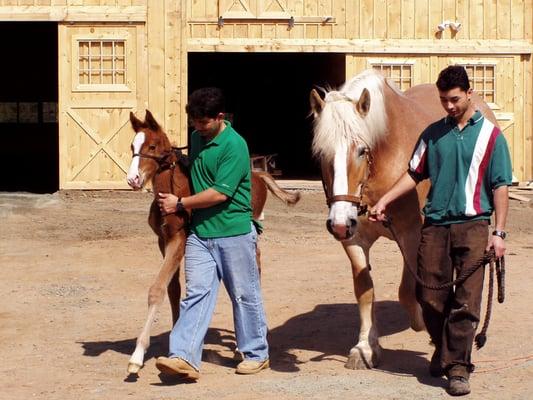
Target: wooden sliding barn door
point(101, 79)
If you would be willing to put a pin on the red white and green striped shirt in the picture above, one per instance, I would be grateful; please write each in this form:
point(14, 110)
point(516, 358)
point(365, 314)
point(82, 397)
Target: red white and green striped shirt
point(464, 167)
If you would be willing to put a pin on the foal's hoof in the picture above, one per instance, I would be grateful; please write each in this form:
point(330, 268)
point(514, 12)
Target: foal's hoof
point(134, 368)
point(361, 359)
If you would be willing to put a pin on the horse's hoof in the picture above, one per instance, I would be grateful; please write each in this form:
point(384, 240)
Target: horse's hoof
point(360, 359)
point(134, 368)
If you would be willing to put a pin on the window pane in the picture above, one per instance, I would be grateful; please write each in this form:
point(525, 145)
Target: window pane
point(483, 80)
point(8, 112)
point(102, 62)
point(50, 112)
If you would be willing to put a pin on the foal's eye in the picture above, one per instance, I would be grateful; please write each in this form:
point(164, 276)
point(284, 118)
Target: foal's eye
point(361, 151)
point(151, 147)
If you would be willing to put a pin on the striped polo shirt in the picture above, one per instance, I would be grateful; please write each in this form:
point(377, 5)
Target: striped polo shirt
point(464, 167)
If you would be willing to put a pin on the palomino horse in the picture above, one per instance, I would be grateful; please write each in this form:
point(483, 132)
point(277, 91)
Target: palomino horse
point(364, 135)
point(154, 160)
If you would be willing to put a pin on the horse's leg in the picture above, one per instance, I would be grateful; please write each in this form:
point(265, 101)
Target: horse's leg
point(408, 242)
point(174, 294)
point(174, 250)
point(365, 354)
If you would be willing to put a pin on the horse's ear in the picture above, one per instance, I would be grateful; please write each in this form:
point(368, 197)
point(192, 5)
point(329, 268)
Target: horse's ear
point(150, 121)
point(363, 105)
point(317, 104)
point(136, 123)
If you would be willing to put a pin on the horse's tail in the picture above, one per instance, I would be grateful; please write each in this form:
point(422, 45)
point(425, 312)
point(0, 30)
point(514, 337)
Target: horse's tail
point(289, 198)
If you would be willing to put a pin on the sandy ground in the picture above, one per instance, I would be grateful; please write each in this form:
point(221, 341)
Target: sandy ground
point(75, 271)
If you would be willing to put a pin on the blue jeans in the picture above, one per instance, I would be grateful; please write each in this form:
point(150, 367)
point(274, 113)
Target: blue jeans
point(207, 261)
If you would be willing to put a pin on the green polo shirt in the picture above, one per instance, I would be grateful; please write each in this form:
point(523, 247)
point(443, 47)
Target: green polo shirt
point(222, 164)
point(464, 167)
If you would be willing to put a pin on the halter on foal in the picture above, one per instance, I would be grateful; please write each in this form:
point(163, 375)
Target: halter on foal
point(155, 160)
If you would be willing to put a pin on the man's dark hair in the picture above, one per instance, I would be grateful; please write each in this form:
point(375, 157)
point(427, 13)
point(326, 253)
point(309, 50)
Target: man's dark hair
point(206, 102)
point(451, 77)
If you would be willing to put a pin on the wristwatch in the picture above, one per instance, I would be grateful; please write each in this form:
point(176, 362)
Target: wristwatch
point(179, 206)
point(501, 234)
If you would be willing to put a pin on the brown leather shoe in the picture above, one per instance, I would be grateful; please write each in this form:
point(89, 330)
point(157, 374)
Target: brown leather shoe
point(458, 386)
point(248, 367)
point(176, 366)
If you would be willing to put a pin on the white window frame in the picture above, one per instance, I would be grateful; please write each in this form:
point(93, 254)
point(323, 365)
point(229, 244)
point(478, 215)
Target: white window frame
point(393, 62)
point(482, 63)
point(99, 87)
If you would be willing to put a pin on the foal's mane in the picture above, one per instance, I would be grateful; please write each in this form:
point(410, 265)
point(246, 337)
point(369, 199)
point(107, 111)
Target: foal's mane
point(339, 123)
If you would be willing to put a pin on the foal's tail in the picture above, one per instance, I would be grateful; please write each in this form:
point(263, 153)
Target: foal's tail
point(289, 198)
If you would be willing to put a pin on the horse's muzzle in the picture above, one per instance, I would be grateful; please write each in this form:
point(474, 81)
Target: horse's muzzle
point(342, 232)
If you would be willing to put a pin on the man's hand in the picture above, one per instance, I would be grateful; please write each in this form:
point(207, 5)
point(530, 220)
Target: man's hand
point(377, 213)
point(167, 203)
point(498, 244)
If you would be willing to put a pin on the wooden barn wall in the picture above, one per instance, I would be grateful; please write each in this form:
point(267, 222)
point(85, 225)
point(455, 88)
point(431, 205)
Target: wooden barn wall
point(361, 19)
point(498, 32)
point(108, 3)
point(94, 131)
point(164, 31)
point(513, 94)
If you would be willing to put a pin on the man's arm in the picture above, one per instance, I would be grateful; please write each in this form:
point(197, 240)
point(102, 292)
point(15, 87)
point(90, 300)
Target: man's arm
point(206, 198)
point(402, 186)
point(501, 207)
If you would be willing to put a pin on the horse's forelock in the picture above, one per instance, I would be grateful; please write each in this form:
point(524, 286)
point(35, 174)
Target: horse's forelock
point(339, 123)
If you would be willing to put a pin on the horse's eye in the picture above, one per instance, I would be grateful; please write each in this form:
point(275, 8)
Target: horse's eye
point(151, 147)
point(361, 151)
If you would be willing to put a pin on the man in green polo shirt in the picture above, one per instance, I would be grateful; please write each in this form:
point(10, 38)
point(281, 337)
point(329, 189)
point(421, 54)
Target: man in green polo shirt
point(222, 243)
point(467, 161)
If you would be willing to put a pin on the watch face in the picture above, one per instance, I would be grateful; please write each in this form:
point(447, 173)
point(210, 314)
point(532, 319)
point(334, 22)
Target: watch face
point(501, 234)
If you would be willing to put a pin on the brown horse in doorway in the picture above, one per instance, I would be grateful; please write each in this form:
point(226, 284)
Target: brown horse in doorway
point(364, 135)
point(155, 160)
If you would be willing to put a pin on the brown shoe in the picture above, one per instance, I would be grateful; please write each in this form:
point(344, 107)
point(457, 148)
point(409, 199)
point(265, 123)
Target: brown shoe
point(176, 366)
point(458, 386)
point(248, 367)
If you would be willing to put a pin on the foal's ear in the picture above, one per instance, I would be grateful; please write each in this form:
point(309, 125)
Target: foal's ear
point(317, 104)
point(136, 123)
point(363, 105)
point(150, 121)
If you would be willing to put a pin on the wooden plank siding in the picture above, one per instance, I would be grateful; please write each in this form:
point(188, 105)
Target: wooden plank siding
point(392, 30)
point(498, 32)
point(369, 19)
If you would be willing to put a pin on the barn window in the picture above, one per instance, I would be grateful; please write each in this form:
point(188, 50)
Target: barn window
point(483, 80)
point(102, 62)
point(399, 72)
point(28, 112)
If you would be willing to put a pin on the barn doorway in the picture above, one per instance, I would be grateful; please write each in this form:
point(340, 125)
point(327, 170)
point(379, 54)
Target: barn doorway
point(268, 100)
point(28, 107)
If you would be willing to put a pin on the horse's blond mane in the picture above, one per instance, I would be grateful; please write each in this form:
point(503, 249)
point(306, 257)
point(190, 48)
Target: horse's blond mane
point(339, 123)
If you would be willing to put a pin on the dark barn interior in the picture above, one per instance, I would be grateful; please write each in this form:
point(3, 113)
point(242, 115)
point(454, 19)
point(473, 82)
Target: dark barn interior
point(29, 154)
point(268, 99)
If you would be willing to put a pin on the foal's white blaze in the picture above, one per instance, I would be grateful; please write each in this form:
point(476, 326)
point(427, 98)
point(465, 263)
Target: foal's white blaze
point(341, 212)
point(134, 177)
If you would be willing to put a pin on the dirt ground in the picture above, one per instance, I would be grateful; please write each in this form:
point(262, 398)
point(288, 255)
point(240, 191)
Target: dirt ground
point(75, 271)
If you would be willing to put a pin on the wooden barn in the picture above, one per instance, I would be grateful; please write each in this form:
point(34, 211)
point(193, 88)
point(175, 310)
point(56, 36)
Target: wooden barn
point(74, 69)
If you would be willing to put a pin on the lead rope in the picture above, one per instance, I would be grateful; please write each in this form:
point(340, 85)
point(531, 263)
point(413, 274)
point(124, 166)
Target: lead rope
point(488, 258)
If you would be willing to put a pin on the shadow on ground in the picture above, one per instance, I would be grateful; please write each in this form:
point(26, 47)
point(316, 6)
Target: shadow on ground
point(329, 330)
